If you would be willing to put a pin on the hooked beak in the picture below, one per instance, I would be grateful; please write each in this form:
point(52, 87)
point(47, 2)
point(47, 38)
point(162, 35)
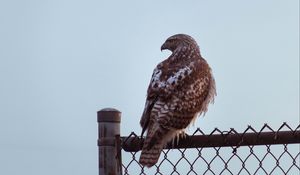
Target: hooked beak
point(163, 47)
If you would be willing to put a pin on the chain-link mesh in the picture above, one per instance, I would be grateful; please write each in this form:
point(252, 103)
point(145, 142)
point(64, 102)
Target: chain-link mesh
point(266, 151)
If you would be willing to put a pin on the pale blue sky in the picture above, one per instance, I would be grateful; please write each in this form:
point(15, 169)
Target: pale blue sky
point(61, 61)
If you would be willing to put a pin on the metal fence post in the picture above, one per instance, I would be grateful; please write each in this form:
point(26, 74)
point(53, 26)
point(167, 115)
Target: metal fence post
point(109, 141)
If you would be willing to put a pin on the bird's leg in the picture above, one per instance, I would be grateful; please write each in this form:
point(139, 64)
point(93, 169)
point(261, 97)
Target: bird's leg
point(181, 135)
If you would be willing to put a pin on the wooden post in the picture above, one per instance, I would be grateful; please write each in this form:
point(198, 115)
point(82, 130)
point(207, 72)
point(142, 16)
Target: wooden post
point(109, 142)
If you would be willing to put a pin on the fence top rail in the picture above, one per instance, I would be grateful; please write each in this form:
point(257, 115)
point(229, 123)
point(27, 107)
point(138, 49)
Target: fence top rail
point(265, 136)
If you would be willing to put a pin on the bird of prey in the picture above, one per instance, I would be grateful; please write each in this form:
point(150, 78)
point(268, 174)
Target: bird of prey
point(180, 89)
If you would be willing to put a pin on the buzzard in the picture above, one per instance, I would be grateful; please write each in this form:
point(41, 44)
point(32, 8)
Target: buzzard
point(180, 89)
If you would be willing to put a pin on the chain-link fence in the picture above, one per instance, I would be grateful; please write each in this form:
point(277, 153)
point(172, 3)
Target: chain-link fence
point(264, 151)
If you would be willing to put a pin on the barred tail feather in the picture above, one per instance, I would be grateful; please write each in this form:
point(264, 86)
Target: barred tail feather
point(154, 144)
point(149, 157)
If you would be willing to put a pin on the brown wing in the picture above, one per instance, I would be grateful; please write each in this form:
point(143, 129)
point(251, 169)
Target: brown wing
point(165, 79)
point(144, 122)
point(190, 96)
point(152, 97)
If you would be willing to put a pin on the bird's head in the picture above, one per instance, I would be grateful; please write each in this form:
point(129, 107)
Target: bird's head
point(178, 41)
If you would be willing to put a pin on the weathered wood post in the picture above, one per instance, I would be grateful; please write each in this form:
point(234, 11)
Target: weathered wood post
point(109, 141)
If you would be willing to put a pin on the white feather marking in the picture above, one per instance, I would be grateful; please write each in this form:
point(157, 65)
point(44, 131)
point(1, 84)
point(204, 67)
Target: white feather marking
point(181, 72)
point(156, 78)
point(156, 74)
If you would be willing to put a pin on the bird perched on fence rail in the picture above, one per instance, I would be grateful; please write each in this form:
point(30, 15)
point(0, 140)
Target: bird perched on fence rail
point(181, 88)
